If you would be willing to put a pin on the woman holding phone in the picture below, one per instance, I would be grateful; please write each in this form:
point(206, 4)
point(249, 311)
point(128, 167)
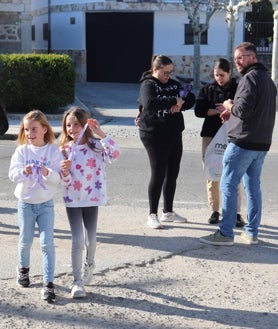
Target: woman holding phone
point(209, 106)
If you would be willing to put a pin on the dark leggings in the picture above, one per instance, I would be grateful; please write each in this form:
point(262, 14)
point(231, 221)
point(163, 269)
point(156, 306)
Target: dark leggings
point(164, 157)
point(83, 224)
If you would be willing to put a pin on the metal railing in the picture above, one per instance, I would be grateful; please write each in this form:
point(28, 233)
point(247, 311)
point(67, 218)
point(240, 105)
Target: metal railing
point(261, 34)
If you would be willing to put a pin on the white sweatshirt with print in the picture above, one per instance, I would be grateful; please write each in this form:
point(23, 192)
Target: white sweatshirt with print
point(36, 188)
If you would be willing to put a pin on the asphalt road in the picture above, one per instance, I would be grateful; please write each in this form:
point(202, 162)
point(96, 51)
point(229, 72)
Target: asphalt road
point(148, 278)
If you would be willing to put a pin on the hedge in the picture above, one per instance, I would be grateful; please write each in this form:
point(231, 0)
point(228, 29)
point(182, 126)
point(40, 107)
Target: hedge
point(36, 81)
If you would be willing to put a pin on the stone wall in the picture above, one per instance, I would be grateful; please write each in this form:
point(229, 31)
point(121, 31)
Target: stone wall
point(9, 32)
point(15, 26)
point(183, 64)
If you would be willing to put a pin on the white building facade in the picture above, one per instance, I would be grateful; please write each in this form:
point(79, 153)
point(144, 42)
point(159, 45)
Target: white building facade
point(96, 34)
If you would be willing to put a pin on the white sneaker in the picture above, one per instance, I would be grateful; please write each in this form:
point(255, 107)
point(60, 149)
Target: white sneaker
point(153, 221)
point(172, 217)
point(78, 290)
point(87, 273)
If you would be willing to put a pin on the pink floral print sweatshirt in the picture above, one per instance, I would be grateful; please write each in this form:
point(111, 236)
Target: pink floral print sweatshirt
point(85, 186)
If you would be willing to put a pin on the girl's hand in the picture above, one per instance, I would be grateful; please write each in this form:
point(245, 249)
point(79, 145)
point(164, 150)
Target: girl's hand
point(27, 170)
point(94, 125)
point(45, 171)
point(65, 166)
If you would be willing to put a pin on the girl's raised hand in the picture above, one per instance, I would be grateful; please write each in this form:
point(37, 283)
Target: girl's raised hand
point(94, 125)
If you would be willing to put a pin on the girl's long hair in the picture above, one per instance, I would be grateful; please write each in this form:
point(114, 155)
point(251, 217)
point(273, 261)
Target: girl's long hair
point(36, 115)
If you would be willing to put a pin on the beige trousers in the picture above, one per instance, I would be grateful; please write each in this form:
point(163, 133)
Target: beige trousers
point(213, 191)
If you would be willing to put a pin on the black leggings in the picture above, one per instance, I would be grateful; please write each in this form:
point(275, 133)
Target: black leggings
point(164, 157)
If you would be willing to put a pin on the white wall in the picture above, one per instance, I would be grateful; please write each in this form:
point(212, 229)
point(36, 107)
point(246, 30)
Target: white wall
point(38, 4)
point(169, 34)
point(168, 30)
point(66, 35)
point(39, 43)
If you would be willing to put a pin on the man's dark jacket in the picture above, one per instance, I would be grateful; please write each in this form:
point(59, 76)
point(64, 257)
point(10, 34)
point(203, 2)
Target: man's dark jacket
point(253, 114)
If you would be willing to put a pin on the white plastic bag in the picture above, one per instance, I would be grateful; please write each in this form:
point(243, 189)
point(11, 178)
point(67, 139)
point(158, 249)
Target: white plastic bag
point(214, 154)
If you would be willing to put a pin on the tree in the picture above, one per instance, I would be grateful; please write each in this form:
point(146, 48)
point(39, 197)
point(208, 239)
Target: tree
point(262, 11)
point(209, 7)
point(232, 14)
point(194, 9)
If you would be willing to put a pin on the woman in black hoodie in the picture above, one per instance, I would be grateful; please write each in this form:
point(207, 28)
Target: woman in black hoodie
point(209, 106)
point(161, 100)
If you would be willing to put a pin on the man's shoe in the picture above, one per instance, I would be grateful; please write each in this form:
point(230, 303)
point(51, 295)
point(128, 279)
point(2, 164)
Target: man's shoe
point(248, 238)
point(239, 221)
point(172, 217)
point(214, 218)
point(217, 239)
point(48, 292)
point(88, 273)
point(23, 276)
point(153, 221)
point(78, 290)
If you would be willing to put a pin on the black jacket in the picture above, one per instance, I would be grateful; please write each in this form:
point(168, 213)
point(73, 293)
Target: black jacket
point(156, 99)
point(253, 114)
point(208, 96)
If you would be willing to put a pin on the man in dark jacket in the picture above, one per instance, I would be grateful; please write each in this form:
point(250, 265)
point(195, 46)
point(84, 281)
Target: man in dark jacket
point(251, 118)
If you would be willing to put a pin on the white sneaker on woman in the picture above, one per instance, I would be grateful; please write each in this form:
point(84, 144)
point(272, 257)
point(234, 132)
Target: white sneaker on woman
point(172, 217)
point(153, 221)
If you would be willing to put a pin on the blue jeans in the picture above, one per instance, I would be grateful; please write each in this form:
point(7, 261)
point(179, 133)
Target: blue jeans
point(239, 163)
point(43, 215)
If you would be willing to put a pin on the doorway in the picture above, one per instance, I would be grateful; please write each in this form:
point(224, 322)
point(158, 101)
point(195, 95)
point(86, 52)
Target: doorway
point(119, 46)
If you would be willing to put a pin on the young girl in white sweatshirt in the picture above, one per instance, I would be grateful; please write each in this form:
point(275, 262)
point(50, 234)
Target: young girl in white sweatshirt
point(35, 168)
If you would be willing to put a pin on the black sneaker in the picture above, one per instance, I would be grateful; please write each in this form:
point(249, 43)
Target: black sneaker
point(239, 221)
point(214, 218)
point(22, 279)
point(48, 292)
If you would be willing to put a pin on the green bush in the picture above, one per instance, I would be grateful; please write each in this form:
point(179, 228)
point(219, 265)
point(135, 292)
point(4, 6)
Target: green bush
point(36, 81)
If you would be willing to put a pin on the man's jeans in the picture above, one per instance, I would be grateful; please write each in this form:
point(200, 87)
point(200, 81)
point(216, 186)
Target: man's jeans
point(239, 163)
point(43, 215)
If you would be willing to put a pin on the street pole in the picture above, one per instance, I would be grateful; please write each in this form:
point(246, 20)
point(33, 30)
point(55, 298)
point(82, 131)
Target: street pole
point(231, 30)
point(49, 27)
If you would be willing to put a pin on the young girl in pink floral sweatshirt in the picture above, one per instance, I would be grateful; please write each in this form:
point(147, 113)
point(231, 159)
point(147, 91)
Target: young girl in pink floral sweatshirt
point(86, 149)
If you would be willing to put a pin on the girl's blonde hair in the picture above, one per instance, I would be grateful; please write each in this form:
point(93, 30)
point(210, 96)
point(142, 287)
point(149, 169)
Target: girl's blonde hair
point(82, 116)
point(36, 115)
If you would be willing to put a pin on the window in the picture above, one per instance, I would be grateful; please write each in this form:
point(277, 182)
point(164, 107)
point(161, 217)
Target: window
point(45, 31)
point(188, 35)
point(33, 31)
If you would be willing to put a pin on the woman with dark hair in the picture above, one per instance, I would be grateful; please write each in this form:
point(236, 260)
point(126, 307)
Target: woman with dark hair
point(209, 106)
point(161, 100)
